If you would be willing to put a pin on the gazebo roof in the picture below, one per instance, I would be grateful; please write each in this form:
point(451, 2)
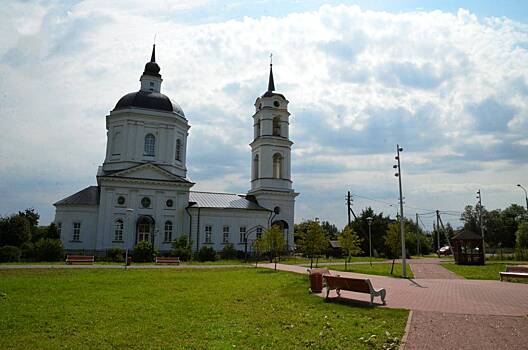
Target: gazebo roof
point(467, 235)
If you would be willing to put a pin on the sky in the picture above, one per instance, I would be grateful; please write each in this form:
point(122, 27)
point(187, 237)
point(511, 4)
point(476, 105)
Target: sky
point(447, 80)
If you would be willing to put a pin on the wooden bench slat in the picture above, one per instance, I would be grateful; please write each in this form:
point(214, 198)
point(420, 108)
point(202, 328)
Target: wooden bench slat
point(167, 260)
point(80, 259)
point(354, 285)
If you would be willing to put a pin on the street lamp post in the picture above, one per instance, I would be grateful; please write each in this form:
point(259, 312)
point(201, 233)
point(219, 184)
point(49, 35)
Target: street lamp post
point(525, 194)
point(402, 226)
point(129, 211)
point(479, 204)
point(369, 220)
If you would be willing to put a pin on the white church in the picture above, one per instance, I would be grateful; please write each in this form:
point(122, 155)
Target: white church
point(143, 192)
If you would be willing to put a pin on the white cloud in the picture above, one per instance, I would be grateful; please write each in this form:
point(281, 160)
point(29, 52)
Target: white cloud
point(358, 82)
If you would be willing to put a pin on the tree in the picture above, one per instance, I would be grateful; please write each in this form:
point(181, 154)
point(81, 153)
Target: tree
point(312, 242)
point(350, 244)
point(181, 248)
point(273, 243)
point(52, 232)
point(14, 230)
point(379, 225)
point(521, 238)
point(393, 242)
point(330, 230)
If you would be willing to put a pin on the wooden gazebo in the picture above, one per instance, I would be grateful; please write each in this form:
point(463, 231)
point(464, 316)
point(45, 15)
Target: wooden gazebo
point(468, 248)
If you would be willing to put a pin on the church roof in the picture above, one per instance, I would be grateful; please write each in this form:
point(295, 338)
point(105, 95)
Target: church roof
point(149, 100)
point(88, 196)
point(221, 201)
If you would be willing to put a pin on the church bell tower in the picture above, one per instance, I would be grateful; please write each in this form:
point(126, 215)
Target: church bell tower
point(271, 183)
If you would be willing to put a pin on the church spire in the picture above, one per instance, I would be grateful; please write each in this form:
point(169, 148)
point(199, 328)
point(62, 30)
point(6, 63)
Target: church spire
point(153, 56)
point(271, 83)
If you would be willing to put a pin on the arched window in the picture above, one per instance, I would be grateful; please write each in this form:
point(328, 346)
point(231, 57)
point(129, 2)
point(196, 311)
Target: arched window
point(168, 231)
point(277, 166)
point(178, 149)
point(276, 126)
point(116, 143)
point(257, 129)
point(150, 145)
point(118, 230)
point(255, 167)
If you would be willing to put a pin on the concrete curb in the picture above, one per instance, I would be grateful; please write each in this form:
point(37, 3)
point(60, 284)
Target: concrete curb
point(407, 330)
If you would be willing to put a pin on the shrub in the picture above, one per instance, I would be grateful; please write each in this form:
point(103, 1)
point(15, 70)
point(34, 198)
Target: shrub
point(115, 255)
point(49, 250)
point(181, 248)
point(240, 254)
point(229, 252)
point(144, 252)
point(206, 254)
point(28, 251)
point(9, 253)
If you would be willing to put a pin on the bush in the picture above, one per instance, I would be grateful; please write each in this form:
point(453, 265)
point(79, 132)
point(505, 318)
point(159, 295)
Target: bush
point(28, 251)
point(182, 248)
point(240, 254)
point(206, 254)
point(229, 252)
point(9, 253)
point(49, 250)
point(144, 252)
point(115, 255)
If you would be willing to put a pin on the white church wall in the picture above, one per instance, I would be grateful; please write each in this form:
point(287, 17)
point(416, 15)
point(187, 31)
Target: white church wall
point(66, 216)
point(233, 218)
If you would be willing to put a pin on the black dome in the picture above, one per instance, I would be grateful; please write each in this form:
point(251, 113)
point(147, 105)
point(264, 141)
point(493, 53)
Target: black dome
point(152, 69)
point(148, 100)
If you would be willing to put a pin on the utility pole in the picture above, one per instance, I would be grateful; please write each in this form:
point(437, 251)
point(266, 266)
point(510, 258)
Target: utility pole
point(438, 232)
point(402, 224)
point(349, 204)
point(479, 197)
point(418, 240)
point(525, 194)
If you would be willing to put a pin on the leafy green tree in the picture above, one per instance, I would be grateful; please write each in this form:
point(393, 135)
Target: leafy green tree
point(52, 232)
point(330, 230)
point(379, 226)
point(273, 243)
point(14, 230)
point(144, 252)
point(393, 242)
point(313, 242)
point(522, 238)
point(49, 250)
point(181, 248)
point(350, 244)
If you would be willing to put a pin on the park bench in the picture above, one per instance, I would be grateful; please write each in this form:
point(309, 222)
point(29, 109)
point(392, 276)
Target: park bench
point(359, 285)
point(513, 271)
point(167, 260)
point(79, 259)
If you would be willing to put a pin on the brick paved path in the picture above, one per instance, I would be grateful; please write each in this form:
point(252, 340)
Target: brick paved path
point(431, 269)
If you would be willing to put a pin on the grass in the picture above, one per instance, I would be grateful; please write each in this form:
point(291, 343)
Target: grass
point(300, 260)
point(375, 269)
point(239, 308)
point(489, 271)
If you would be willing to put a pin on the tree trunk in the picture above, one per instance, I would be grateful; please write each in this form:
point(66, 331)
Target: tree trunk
point(311, 261)
point(317, 261)
point(275, 263)
point(392, 267)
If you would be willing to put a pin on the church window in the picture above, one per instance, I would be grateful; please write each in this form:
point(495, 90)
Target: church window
point(121, 200)
point(116, 143)
point(208, 234)
point(276, 103)
point(257, 133)
point(276, 126)
point(145, 202)
point(243, 238)
point(259, 232)
point(277, 166)
point(76, 231)
point(225, 234)
point(169, 203)
point(118, 230)
point(178, 149)
point(150, 145)
point(255, 167)
point(168, 231)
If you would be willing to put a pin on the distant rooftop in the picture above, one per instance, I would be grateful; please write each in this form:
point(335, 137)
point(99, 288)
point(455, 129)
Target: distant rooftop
point(88, 196)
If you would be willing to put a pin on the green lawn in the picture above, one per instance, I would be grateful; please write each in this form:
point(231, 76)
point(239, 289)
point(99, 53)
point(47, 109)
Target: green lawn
point(299, 260)
point(489, 271)
point(241, 308)
point(375, 269)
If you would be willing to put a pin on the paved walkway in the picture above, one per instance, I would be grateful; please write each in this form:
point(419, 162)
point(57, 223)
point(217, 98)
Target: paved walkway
point(132, 267)
point(431, 269)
